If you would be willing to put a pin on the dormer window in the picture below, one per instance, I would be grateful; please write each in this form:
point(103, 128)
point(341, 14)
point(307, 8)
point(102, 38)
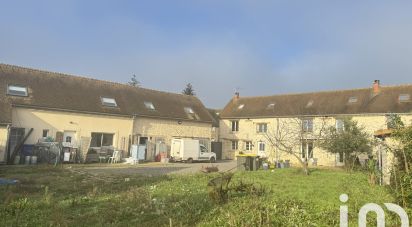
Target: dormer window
point(16, 90)
point(149, 105)
point(352, 99)
point(110, 102)
point(241, 106)
point(189, 110)
point(404, 98)
point(309, 104)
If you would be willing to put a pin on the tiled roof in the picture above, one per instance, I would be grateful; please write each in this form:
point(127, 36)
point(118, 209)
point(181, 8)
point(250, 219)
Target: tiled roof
point(321, 103)
point(79, 94)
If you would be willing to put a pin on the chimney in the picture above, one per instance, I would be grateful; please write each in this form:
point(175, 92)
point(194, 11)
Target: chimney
point(376, 87)
point(237, 95)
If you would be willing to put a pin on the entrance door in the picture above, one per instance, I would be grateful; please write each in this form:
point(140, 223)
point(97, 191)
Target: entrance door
point(217, 149)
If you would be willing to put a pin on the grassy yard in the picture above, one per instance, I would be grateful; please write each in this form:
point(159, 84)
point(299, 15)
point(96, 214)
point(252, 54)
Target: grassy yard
point(48, 196)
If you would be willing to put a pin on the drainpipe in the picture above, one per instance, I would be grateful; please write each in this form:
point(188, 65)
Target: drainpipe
point(7, 153)
point(131, 135)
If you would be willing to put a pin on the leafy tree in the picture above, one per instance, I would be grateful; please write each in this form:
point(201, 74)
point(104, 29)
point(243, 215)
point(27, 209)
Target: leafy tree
point(134, 82)
point(189, 90)
point(349, 142)
point(401, 171)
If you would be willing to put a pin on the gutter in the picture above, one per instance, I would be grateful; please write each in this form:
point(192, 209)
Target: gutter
point(105, 114)
point(319, 115)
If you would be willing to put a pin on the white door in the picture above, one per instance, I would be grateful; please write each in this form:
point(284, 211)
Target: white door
point(69, 138)
point(262, 149)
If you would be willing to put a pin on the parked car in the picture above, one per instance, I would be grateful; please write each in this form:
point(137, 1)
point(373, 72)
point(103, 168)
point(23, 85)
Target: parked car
point(189, 150)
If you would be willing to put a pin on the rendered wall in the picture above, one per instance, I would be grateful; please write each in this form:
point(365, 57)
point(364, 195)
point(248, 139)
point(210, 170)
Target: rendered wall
point(82, 124)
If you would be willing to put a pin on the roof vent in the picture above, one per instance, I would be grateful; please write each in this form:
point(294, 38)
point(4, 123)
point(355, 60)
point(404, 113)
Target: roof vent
point(241, 106)
point(310, 103)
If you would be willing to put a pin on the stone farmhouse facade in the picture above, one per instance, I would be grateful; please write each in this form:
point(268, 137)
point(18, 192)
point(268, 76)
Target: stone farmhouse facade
point(246, 123)
point(93, 113)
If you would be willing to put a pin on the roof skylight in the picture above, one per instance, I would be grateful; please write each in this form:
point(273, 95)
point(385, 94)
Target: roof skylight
point(17, 90)
point(149, 105)
point(110, 102)
point(404, 98)
point(270, 106)
point(353, 99)
point(189, 110)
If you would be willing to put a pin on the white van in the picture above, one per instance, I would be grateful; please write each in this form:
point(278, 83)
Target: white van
point(189, 150)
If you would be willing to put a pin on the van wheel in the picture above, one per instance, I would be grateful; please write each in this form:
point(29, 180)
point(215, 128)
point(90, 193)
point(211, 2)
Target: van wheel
point(212, 159)
point(189, 160)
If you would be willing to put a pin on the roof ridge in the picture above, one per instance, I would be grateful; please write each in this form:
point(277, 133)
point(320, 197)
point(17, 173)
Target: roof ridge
point(53, 73)
point(325, 91)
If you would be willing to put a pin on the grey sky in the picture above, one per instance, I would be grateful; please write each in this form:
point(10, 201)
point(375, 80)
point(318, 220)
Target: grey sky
point(260, 47)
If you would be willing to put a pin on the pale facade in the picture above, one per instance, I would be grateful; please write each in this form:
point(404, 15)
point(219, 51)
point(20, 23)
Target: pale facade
point(74, 127)
point(248, 131)
point(165, 130)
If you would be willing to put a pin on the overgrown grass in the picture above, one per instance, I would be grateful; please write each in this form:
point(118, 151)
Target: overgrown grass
point(50, 196)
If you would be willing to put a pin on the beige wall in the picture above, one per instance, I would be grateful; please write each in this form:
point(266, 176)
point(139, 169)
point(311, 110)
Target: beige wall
point(248, 132)
point(168, 129)
point(82, 124)
point(3, 142)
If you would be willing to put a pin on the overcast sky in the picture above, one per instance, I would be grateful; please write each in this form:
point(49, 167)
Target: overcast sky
point(258, 47)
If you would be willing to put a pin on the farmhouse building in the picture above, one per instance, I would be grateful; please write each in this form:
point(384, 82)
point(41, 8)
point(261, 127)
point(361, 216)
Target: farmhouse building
point(89, 113)
point(246, 121)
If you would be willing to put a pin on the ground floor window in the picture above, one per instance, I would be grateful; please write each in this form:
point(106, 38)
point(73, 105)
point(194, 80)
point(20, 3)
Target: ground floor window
point(235, 144)
point(262, 146)
point(307, 149)
point(101, 139)
point(248, 145)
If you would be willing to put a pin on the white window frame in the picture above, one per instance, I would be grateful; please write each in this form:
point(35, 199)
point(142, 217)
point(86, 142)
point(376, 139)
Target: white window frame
point(12, 89)
point(235, 145)
point(149, 105)
point(234, 125)
point(261, 145)
point(248, 146)
point(109, 102)
point(262, 127)
point(305, 149)
point(340, 125)
point(307, 125)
